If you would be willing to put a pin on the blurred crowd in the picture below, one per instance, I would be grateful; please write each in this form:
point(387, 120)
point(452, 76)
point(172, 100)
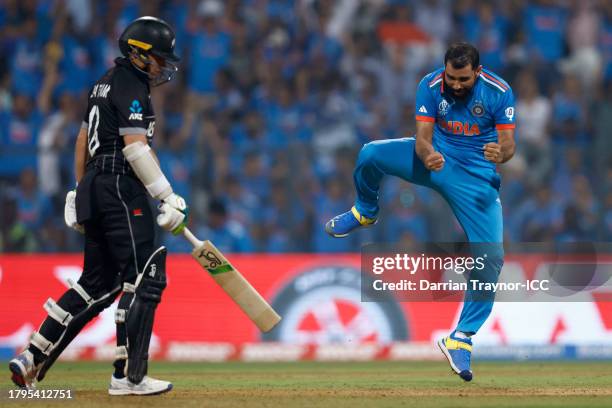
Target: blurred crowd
point(274, 98)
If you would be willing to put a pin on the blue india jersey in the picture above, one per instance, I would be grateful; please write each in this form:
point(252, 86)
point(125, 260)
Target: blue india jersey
point(464, 125)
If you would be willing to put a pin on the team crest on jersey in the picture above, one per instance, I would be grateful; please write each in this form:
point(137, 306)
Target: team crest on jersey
point(443, 107)
point(136, 110)
point(478, 109)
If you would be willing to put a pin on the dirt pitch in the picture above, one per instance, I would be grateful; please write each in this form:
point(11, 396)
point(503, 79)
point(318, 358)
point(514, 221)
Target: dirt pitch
point(339, 385)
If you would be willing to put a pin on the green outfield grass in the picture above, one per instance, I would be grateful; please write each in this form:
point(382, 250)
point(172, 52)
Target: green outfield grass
point(338, 385)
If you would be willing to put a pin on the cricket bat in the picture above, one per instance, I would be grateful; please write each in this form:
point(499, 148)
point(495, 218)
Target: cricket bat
point(233, 283)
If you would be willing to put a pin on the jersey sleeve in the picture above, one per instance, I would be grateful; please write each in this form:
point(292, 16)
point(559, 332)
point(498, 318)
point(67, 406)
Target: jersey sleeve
point(504, 114)
point(425, 105)
point(131, 100)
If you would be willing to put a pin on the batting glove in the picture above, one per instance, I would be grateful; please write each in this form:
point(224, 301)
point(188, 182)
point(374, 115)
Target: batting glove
point(173, 214)
point(70, 217)
point(177, 202)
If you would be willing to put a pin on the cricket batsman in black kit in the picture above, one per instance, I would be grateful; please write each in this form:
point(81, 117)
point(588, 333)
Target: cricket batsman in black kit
point(115, 169)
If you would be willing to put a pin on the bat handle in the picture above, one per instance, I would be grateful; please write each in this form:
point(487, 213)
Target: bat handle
point(191, 238)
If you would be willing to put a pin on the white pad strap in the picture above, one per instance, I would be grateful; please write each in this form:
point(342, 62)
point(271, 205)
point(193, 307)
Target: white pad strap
point(129, 288)
point(79, 289)
point(146, 168)
point(57, 313)
point(120, 315)
point(121, 353)
point(41, 343)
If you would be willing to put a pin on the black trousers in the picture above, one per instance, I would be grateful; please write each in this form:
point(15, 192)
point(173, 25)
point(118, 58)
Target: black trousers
point(119, 230)
point(119, 239)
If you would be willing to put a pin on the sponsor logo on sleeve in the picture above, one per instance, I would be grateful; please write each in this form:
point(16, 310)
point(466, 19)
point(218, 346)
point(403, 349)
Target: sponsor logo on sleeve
point(136, 110)
point(510, 112)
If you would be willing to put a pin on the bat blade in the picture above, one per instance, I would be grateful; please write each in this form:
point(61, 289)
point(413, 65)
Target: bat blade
point(236, 286)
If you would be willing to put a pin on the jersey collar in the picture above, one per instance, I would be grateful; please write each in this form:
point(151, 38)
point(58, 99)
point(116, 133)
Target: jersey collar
point(124, 62)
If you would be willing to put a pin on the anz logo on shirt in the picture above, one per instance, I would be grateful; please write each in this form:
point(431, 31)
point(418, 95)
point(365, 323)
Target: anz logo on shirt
point(136, 110)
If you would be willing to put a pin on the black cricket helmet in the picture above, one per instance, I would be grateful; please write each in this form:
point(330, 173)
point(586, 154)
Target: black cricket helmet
point(148, 36)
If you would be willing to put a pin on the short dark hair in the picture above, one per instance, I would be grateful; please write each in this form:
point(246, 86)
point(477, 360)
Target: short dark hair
point(462, 54)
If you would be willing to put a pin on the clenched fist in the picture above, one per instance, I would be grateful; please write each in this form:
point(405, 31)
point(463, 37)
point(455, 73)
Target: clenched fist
point(434, 161)
point(493, 153)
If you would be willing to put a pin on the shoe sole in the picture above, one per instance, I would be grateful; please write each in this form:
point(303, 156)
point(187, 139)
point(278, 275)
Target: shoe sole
point(454, 368)
point(141, 393)
point(17, 370)
point(330, 233)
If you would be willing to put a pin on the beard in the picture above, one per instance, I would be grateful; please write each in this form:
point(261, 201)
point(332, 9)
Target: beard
point(463, 93)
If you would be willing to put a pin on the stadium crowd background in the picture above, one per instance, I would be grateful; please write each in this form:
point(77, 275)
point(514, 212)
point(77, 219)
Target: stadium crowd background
point(260, 130)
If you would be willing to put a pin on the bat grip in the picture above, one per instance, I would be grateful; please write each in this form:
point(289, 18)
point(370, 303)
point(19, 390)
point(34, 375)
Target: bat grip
point(191, 238)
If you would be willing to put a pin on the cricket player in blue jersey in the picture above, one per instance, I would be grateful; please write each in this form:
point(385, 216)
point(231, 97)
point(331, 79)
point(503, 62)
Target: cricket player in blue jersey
point(464, 129)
